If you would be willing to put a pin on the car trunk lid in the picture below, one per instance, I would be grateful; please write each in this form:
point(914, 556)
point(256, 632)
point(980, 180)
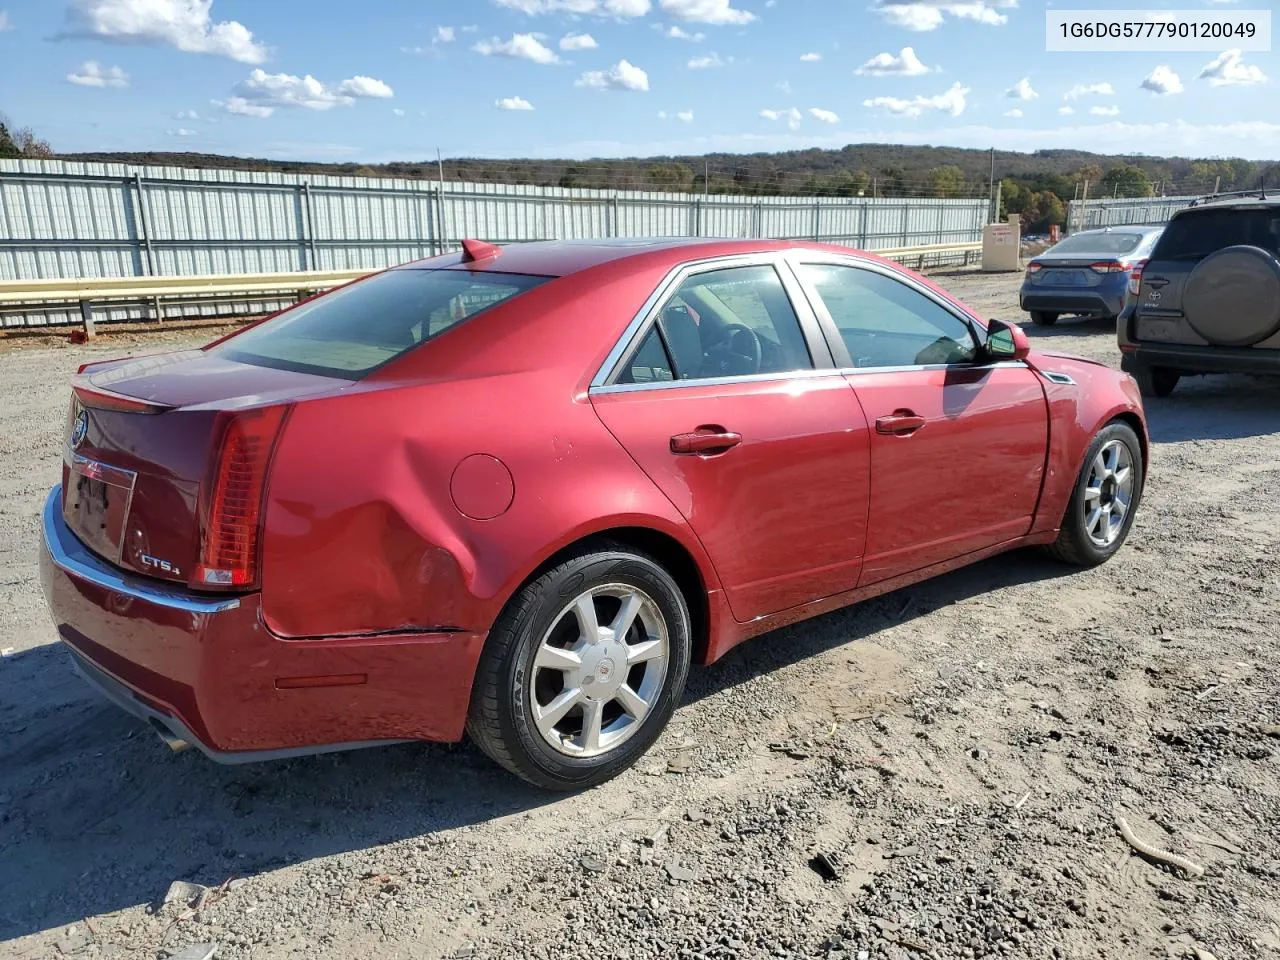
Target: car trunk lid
point(142, 435)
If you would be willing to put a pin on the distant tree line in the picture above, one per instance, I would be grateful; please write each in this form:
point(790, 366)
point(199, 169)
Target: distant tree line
point(15, 144)
point(1036, 186)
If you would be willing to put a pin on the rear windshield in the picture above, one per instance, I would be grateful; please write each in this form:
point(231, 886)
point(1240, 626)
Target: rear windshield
point(1193, 236)
point(356, 329)
point(1099, 244)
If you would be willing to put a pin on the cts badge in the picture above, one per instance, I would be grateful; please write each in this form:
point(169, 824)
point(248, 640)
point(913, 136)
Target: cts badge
point(79, 429)
point(155, 563)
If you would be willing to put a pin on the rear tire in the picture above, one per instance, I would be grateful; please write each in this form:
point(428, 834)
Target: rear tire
point(607, 633)
point(1042, 319)
point(1110, 482)
point(1156, 381)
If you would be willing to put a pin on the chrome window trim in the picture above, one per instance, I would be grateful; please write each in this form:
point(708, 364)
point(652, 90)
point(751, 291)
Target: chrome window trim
point(73, 558)
point(801, 374)
point(635, 330)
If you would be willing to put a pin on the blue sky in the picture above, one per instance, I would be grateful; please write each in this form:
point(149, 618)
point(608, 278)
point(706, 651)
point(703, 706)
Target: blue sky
point(384, 80)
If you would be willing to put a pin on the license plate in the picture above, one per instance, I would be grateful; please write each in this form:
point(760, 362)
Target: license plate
point(1068, 278)
point(97, 504)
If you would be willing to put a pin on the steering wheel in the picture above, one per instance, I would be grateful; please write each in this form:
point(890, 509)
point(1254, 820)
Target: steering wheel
point(737, 353)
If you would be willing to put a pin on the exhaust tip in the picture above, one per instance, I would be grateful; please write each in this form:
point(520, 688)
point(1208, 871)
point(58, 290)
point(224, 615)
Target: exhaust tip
point(171, 740)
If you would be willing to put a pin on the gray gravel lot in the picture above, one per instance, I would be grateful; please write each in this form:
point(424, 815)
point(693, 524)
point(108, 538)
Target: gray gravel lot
point(958, 753)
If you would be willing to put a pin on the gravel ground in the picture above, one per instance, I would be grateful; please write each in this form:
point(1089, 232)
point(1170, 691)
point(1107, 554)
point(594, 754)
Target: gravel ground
point(936, 773)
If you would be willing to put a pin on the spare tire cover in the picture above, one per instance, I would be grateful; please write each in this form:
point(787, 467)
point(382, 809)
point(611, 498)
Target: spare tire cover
point(1232, 297)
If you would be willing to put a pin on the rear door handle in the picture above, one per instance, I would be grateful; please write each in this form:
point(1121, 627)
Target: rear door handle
point(901, 423)
point(705, 440)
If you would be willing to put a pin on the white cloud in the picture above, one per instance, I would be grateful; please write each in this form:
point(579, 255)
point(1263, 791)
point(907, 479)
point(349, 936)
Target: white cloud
point(662, 114)
point(444, 35)
point(826, 116)
point(1066, 111)
point(622, 9)
point(708, 62)
point(181, 132)
point(952, 102)
point(674, 32)
point(263, 93)
point(621, 76)
point(397, 111)
point(1089, 89)
point(1162, 80)
point(521, 46)
point(1015, 113)
point(5, 22)
point(717, 12)
point(905, 64)
point(784, 86)
point(513, 103)
point(1105, 111)
point(810, 57)
point(578, 41)
point(366, 88)
point(184, 24)
point(1022, 90)
point(924, 15)
point(685, 116)
point(91, 74)
point(791, 115)
point(186, 115)
point(1229, 69)
point(243, 107)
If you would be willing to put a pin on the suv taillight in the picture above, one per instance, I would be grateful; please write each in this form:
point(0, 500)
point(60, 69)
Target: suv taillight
point(229, 546)
point(1135, 276)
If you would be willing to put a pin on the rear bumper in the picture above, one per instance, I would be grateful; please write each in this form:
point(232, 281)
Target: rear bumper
point(1193, 359)
point(204, 669)
point(1093, 302)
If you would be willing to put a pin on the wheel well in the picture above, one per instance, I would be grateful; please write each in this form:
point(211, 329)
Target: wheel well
point(673, 557)
point(1131, 420)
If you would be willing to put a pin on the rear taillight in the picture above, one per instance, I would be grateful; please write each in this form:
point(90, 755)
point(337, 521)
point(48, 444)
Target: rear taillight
point(1034, 267)
point(1108, 266)
point(229, 547)
point(1135, 276)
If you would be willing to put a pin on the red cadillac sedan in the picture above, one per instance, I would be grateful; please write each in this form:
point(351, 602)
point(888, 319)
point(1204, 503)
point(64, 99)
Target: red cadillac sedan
point(517, 491)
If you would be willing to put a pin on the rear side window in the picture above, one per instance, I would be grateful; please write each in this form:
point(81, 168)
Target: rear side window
point(352, 331)
point(1102, 244)
point(1193, 236)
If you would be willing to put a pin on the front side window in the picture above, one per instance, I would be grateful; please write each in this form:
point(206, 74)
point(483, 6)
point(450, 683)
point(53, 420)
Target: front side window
point(733, 322)
point(885, 323)
point(354, 330)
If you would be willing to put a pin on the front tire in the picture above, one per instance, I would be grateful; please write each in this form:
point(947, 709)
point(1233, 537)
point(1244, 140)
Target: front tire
point(1043, 319)
point(583, 669)
point(1104, 500)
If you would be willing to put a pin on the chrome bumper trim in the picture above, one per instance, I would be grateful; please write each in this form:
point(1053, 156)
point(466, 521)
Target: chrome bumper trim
point(71, 556)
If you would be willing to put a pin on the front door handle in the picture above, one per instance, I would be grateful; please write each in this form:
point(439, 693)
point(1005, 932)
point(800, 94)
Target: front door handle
point(901, 423)
point(705, 440)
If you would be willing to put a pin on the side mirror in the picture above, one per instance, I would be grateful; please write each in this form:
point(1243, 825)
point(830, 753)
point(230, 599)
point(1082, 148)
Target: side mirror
point(1006, 341)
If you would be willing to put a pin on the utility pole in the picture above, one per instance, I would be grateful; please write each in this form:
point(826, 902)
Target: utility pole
point(874, 189)
point(706, 178)
point(1217, 182)
point(444, 232)
point(991, 190)
point(1084, 199)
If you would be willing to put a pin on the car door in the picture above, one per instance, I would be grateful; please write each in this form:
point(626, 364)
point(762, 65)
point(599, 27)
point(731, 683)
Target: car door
point(727, 397)
point(958, 444)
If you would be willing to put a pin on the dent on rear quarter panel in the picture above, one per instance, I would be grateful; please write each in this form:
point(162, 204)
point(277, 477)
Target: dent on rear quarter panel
point(361, 531)
point(1076, 414)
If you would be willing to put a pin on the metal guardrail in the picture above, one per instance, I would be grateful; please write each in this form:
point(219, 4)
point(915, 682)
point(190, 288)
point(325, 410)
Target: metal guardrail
point(57, 293)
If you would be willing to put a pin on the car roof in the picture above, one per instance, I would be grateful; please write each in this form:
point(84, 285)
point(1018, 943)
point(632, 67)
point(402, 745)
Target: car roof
point(1122, 228)
point(560, 258)
point(1231, 201)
